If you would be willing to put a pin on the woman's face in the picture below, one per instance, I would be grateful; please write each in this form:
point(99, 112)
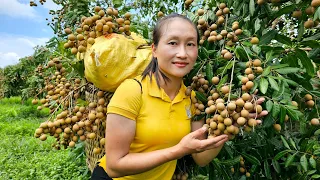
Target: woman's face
point(177, 50)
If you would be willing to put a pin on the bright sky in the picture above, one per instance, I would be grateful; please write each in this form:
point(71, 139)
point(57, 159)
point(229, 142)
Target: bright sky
point(22, 28)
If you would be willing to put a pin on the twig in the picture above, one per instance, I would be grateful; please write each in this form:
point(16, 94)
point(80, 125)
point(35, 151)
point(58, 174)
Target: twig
point(234, 62)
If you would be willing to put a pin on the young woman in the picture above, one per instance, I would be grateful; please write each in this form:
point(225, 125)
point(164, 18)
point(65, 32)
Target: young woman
point(149, 122)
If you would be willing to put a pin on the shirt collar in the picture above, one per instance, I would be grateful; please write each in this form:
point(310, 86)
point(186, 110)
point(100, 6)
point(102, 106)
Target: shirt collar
point(155, 91)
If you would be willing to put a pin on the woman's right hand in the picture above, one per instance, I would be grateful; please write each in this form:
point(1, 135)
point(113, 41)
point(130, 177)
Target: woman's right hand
point(194, 142)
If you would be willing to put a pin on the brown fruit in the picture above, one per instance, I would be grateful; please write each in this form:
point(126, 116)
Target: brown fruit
point(245, 96)
point(249, 85)
point(97, 8)
point(244, 80)
point(160, 14)
point(310, 103)
point(238, 32)
point(231, 106)
point(74, 50)
point(127, 15)
point(227, 121)
point(220, 106)
point(43, 137)
point(294, 103)
point(240, 102)
point(92, 116)
point(315, 122)
point(242, 170)
point(201, 21)
point(259, 70)
point(220, 20)
point(297, 14)
point(200, 12)
point(72, 144)
point(91, 41)
point(277, 127)
point(244, 113)
point(248, 174)
point(251, 77)
point(254, 40)
point(260, 2)
point(308, 24)
point(71, 37)
point(248, 71)
point(226, 10)
point(252, 122)
point(310, 10)
point(222, 5)
point(88, 21)
point(67, 31)
point(315, 3)
point(257, 63)
point(228, 56)
point(225, 89)
point(241, 121)
point(212, 39)
point(221, 127)
point(308, 97)
point(219, 12)
point(92, 135)
point(213, 27)
point(213, 125)
point(248, 106)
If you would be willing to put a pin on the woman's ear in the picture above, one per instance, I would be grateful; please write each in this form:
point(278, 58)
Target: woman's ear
point(154, 50)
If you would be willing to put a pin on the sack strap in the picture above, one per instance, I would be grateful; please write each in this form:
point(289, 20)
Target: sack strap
point(139, 83)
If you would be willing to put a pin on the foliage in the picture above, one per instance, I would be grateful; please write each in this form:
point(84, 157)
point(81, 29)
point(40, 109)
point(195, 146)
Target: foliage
point(24, 157)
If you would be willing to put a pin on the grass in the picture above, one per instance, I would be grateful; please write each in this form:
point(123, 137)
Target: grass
point(24, 157)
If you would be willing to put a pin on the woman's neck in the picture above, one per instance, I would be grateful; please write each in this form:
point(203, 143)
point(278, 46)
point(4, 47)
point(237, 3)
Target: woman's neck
point(171, 87)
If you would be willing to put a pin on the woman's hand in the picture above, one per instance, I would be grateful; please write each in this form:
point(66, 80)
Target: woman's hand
point(194, 143)
point(262, 114)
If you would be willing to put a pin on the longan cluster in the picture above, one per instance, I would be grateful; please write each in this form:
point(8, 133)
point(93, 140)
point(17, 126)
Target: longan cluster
point(57, 86)
point(252, 68)
point(310, 23)
point(242, 168)
point(309, 100)
point(104, 22)
point(180, 176)
point(224, 117)
point(216, 32)
point(77, 123)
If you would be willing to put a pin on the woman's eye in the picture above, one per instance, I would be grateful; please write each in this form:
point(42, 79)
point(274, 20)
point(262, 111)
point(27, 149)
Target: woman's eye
point(172, 43)
point(191, 44)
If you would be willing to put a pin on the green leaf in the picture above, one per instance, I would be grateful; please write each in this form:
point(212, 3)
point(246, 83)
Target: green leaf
point(251, 7)
point(311, 172)
point(266, 71)
point(317, 133)
point(251, 159)
point(282, 114)
point(284, 10)
point(200, 96)
point(273, 84)
point(290, 82)
point(288, 70)
point(281, 154)
point(304, 162)
point(267, 169)
point(276, 166)
point(231, 162)
point(305, 61)
point(269, 56)
point(275, 109)
point(314, 37)
point(290, 160)
point(292, 114)
point(285, 143)
point(266, 38)
point(222, 81)
point(257, 25)
point(315, 176)
point(269, 105)
point(241, 53)
point(283, 39)
point(293, 144)
point(301, 31)
point(316, 14)
point(209, 72)
point(263, 85)
point(312, 162)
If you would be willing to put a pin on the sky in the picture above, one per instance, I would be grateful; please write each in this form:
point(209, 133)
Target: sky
point(22, 28)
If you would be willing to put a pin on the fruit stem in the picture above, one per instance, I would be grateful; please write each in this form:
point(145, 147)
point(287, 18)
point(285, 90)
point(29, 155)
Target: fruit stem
point(234, 62)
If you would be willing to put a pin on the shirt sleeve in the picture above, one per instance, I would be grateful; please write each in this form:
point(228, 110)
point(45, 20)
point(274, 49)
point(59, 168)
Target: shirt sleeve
point(126, 101)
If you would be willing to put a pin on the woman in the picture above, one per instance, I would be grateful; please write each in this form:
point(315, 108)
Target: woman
point(149, 122)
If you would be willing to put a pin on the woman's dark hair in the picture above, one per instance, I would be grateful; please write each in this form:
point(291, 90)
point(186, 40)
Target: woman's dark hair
point(157, 31)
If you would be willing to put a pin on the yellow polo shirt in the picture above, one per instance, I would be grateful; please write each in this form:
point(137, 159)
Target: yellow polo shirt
point(160, 122)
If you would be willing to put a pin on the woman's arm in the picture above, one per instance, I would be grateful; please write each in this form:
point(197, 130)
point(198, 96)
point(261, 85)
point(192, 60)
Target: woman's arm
point(120, 132)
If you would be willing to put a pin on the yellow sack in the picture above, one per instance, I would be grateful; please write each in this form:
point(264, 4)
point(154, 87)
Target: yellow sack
point(114, 58)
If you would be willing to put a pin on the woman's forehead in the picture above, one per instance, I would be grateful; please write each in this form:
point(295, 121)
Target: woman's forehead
point(178, 27)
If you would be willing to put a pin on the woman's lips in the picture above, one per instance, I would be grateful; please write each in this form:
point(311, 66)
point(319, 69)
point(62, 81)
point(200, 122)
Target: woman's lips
point(180, 64)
